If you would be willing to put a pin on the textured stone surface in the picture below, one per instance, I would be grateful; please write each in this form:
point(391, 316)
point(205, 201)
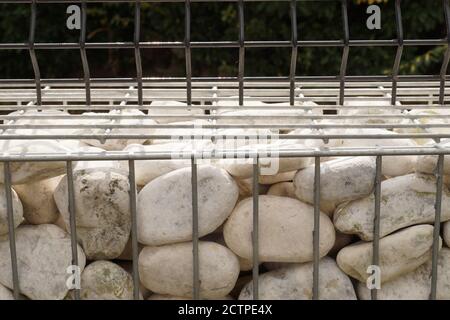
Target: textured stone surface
point(400, 253)
point(25, 172)
point(160, 108)
point(104, 280)
point(17, 210)
point(405, 201)
point(148, 170)
point(168, 269)
point(5, 293)
point(102, 211)
point(392, 166)
point(165, 205)
point(415, 285)
point(285, 230)
point(39, 207)
point(296, 283)
point(116, 144)
point(43, 255)
point(270, 164)
point(341, 180)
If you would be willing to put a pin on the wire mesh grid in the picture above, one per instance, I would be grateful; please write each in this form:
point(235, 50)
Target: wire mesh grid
point(331, 94)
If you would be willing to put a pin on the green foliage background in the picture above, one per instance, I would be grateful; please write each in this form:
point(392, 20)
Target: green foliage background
point(219, 21)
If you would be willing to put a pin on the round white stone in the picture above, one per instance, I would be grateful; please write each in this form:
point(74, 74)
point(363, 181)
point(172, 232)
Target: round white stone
point(285, 230)
point(164, 209)
point(168, 269)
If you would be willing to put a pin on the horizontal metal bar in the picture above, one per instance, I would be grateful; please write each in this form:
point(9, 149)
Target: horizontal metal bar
point(213, 117)
point(228, 154)
point(187, 137)
point(226, 80)
point(220, 44)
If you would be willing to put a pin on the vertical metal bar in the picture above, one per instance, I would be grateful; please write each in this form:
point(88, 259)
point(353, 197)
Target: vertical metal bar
point(316, 230)
point(34, 61)
point(72, 217)
point(398, 56)
point(187, 45)
point(437, 226)
point(344, 60)
point(241, 51)
point(11, 230)
point(134, 237)
point(137, 51)
point(84, 59)
point(376, 220)
point(447, 53)
point(195, 236)
point(294, 51)
point(255, 232)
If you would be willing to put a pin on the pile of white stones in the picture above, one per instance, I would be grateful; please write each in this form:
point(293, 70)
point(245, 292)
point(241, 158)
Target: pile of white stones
point(225, 210)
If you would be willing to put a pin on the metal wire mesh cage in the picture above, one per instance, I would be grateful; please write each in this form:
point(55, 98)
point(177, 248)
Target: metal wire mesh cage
point(320, 111)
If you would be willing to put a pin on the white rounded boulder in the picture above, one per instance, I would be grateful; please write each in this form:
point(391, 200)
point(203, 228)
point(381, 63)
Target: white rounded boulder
point(168, 269)
point(285, 230)
point(164, 209)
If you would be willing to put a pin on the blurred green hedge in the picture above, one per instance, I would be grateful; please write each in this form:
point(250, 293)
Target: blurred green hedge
point(219, 21)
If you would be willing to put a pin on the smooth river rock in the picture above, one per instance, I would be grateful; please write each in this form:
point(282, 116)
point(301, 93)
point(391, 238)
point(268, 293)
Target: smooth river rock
point(164, 208)
point(168, 269)
point(39, 207)
point(392, 166)
point(296, 283)
point(116, 144)
point(341, 180)
point(285, 230)
point(148, 170)
point(270, 164)
point(400, 253)
point(160, 108)
point(102, 211)
point(104, 280)
point(43, 255)
point(405, 201)
point(26, 172)
point(415, 285)
point(428, 163)
point(17, 210)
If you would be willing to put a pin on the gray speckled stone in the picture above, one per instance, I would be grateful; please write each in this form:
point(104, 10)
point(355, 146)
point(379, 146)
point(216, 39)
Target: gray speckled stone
point(285, 230)
point(405, 201)
point(296, 283)
point(164, 208)
point(168, 269)
point(43, 254)
point(104, 280)
point(415, 285)
point(400, 253)
point(102, 211)
point(17, 210)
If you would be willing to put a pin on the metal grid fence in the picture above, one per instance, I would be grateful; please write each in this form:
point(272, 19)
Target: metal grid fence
point(330, 92)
